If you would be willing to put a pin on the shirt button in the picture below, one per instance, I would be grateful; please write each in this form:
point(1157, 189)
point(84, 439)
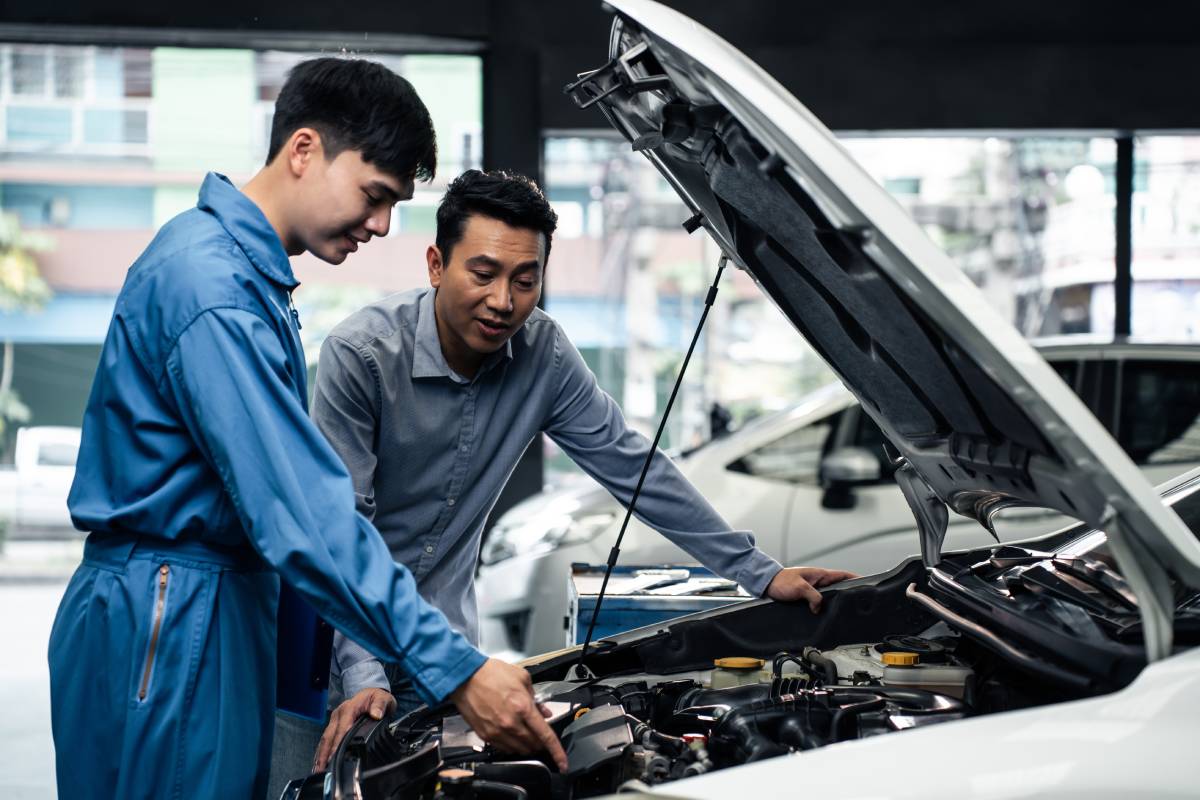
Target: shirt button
point(465, 448)
point(450, 501)
point(429, 548)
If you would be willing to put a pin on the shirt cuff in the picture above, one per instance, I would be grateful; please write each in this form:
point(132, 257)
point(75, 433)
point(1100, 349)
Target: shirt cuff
point(366, 674)
point(757, 572)
point(435, 683)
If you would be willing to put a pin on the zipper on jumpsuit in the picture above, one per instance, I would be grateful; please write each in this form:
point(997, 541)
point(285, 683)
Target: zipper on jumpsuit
point(292, 308)
point(163, 572)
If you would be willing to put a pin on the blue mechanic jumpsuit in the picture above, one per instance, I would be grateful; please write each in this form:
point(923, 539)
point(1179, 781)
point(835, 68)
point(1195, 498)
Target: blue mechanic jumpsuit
point(203, 483)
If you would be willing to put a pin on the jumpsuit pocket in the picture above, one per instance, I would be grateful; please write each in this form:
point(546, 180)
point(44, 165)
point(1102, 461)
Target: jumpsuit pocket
point(160, 611)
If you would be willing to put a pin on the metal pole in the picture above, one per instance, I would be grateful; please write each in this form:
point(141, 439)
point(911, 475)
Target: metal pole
point(1123, 283)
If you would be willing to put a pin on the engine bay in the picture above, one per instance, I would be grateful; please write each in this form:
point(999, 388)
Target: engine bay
point(760, 680)
point(643, 730)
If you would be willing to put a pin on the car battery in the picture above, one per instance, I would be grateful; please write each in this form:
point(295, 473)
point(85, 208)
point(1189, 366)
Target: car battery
point(638, 596)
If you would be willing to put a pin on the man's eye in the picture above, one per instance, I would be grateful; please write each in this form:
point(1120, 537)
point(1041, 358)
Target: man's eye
point(482, 277)
point(525, 284)
point(372, 199)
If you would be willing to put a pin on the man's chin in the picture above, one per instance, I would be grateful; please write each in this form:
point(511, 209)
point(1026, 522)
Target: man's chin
point(485, 347)
point(334, 256)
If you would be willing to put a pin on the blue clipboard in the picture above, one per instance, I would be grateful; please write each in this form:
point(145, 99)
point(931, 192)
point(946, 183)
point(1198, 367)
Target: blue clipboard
point(304, 645)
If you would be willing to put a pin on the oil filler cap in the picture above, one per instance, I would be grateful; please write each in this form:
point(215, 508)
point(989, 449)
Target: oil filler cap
point(739, 662)
point(900, 659)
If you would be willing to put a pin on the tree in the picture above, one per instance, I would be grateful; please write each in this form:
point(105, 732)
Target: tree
point(22, 288)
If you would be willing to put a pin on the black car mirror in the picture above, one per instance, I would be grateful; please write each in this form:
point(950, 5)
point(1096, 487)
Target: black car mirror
point(844, 468)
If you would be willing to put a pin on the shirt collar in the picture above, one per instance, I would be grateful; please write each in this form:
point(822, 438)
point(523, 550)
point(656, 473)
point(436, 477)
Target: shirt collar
point(248, 225)
point(428, 359)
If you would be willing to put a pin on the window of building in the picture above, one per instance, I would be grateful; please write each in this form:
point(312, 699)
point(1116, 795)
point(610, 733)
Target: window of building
point(1028, 219)
point(1166, 238)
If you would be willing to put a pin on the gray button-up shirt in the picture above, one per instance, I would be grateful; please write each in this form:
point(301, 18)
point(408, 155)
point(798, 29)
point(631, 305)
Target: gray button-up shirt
point(429, 452)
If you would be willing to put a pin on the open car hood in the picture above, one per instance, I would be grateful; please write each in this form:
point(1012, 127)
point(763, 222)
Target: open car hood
point(982, 422)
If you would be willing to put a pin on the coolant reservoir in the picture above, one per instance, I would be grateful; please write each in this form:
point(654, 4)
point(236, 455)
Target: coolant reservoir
point(905, 670)
point(737, 671)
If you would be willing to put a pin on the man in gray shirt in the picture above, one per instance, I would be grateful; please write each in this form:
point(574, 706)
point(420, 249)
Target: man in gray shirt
point(431, 396)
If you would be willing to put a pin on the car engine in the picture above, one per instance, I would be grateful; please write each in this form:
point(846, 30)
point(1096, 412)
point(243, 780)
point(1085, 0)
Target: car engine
point(641, 730)
point(758, 680)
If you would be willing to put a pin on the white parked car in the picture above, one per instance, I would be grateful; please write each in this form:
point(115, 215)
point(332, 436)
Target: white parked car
point(1065, 665)
point(33, 490)
point(813, 484)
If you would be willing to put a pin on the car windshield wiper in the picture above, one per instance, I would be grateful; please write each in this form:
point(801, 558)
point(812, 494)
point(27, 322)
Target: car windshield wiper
point(1099, 576)
point(1040, 579)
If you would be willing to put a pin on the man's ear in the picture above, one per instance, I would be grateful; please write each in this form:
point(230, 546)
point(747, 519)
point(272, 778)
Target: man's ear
point(302, 149)
point(433, 260)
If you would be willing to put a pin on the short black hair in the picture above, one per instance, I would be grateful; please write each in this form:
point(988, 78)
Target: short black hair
point(507, 196)
point(358, 105)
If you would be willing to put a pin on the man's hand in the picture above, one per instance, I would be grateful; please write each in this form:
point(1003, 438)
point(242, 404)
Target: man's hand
point(376, 702)
point(497, 702)
point(801, 583)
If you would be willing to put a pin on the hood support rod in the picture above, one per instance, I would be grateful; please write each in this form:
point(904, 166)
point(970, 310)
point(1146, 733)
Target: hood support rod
point(614, 554)
point(1150, 583)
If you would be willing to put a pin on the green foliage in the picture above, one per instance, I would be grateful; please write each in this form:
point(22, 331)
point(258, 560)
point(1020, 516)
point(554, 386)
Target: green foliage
point(21, 285)
point(22, 288)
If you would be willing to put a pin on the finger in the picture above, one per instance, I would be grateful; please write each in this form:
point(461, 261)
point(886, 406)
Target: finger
point(379, 707)
point(549, 742)
point(324, 748)
point(545, 709)
point(338, 727)
point(811, 596)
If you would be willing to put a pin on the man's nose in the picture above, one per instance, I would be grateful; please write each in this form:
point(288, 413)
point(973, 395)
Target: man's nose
point(379, 222)
point(499, 298)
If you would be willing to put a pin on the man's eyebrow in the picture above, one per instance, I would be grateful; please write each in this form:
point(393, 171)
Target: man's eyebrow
point(483, 261)
point(491, 263)
point(528, 266)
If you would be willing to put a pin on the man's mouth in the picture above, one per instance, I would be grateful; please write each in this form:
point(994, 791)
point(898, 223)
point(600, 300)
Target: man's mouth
point(491, 328)
point(353, 242)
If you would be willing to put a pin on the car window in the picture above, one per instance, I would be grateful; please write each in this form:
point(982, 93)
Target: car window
point(1068, 371)
point(793, 457)
point(868, 436)
point(57, 454)
point(1159, 411)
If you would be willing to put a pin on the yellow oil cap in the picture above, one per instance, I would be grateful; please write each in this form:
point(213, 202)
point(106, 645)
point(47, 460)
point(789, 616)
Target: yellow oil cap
point(901, 659)
point(739, 662)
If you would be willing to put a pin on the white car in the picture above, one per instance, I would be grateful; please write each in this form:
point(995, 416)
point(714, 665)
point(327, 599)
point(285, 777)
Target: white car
point(1063, 666)
point(33, 490)
point(813, 485)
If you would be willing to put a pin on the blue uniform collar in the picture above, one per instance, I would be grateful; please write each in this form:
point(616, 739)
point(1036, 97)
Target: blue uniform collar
point(428, 360)
point(248, 225)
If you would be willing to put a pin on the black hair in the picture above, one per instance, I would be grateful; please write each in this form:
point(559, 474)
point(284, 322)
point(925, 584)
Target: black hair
point(507, 196)
point(358, 105)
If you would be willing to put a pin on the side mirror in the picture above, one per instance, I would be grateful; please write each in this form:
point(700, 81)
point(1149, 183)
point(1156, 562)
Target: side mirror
point(843, 469)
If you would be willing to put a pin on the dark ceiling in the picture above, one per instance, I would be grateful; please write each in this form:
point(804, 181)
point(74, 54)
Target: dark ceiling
point(859, 64)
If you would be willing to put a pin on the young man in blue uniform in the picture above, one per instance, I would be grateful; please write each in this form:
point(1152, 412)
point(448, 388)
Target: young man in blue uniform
point(431, 396)
point(203, 482)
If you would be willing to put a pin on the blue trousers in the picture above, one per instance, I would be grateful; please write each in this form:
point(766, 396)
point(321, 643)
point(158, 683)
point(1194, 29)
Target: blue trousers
point(162, 672)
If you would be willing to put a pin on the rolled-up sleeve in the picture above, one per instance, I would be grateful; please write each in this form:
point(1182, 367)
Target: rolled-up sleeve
point(229, 376)
point(587, 424)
